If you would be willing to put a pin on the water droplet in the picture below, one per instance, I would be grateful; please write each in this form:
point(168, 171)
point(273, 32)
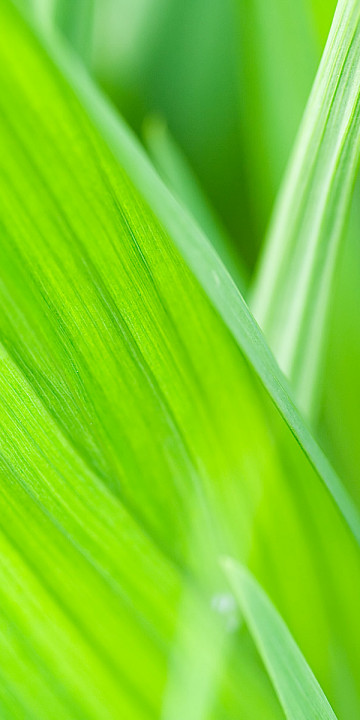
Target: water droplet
point(226, 605)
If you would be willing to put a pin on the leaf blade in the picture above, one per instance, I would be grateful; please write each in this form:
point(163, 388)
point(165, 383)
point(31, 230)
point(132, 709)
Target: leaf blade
point(293, 287)
point(298, 690)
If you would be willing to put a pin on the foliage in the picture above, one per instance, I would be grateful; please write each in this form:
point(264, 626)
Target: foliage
point(146, 427)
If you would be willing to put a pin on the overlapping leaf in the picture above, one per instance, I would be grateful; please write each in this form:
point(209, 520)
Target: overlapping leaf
point(136, 438)
point(298, 690)
point(292, 291)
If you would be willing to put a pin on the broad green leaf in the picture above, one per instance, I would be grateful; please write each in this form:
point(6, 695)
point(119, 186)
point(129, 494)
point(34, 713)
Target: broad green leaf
point(83, 420)
point(211, 274)
point(294, 283)
point(135, 390)
point(299, 692)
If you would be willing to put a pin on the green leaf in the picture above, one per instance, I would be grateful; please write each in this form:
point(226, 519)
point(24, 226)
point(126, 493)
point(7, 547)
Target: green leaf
point(292, 292)
point(133, 390)
point(298, 690)
point(209, 271)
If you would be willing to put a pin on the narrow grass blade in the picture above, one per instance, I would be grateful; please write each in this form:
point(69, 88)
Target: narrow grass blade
point(299, 692)
point(293, 288)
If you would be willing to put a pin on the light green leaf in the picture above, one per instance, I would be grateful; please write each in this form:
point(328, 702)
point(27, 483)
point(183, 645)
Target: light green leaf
point(299, 692)
point(133, 390)
point(209, 271)
point(292, 292)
